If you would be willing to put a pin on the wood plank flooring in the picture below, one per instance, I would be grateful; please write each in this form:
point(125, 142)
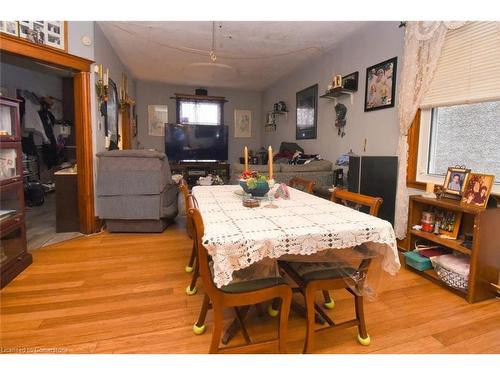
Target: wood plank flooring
point(124, 293)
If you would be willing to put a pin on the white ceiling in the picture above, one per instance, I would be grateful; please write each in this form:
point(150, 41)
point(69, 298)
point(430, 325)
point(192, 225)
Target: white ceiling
point(250, 55)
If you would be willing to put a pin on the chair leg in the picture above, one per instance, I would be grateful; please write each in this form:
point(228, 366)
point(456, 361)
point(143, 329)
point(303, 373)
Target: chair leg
point(310, 314)
point(199, 327)
point(363, 337)
point(218, 325)
point(191, 288)
point(189, 267)
point(283, 328)
point(329, 303)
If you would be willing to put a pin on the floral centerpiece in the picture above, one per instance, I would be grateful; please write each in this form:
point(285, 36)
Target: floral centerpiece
point(255, 183)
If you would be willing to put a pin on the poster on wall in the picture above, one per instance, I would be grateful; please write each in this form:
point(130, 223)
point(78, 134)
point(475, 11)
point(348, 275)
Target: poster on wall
point(242, 123)
point(307, 113)
point(380, 87)
point(157, 118)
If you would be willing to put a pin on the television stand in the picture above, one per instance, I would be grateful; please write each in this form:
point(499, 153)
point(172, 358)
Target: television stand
point(192, 170)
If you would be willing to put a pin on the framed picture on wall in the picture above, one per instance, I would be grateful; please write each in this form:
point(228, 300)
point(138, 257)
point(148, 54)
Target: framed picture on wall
point(157, 118)
point(9, 27)
point(307, 113)
point(380, 89)
point(242, 123)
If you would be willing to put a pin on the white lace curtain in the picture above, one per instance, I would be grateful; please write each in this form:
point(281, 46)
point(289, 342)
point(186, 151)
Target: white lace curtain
point(423, 44)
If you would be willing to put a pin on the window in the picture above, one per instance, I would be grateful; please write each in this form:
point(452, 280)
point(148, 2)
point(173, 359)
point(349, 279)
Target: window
point(459, 135)
point(197, 112)
point(465, 135)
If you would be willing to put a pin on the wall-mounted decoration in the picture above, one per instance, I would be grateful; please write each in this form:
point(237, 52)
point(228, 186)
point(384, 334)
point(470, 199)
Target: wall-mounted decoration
point(9, 27)
point(242, 123)
point(112, 115)
point(340, 121)
point(307, 113)
point(380, 90)
point(49, 33)
point(157, 118)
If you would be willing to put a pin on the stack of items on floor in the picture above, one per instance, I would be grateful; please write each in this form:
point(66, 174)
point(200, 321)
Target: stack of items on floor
point(135, 191)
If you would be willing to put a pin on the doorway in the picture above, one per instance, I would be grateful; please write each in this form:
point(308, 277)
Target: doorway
point(76, 72)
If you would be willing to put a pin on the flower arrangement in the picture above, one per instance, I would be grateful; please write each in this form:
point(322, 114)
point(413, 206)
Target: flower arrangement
point(255, 183)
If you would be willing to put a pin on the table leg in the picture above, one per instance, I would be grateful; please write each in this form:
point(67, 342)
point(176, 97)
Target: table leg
point(234, 326)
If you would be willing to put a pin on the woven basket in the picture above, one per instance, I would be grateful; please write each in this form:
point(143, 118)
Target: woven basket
point(450, 278)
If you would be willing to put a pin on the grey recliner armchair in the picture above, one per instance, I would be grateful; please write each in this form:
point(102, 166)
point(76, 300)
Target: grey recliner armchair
point(135, 191)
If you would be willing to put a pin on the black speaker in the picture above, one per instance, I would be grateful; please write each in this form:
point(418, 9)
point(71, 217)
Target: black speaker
point(203, 92)
point(375, 176)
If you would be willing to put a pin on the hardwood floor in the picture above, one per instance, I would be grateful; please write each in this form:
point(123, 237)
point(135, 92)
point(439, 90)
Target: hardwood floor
point(124, 293)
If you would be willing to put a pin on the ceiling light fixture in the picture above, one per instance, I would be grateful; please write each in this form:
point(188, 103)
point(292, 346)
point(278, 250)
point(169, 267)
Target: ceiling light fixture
point(212, 55)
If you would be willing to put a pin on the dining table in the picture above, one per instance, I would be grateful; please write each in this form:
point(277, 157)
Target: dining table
point(238, 237)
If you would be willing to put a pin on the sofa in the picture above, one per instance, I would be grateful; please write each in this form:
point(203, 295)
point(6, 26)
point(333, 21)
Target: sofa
point(135, 191)
point(319, 171)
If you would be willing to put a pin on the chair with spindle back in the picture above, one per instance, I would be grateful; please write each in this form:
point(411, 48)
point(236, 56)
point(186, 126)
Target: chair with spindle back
point(301, 184)
point(333, 275)
point(192, 264)
point(234, 295)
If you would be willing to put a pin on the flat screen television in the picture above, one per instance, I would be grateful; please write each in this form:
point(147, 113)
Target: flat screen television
point(196, 142)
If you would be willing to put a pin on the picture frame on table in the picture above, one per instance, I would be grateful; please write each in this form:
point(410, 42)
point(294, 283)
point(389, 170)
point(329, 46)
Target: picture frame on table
point(477, 190)
point(9, 27)
point(454, 181)
point(307, 113)
point(380, 85)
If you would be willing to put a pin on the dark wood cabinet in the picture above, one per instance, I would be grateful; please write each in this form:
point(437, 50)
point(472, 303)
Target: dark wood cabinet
point(14, 257)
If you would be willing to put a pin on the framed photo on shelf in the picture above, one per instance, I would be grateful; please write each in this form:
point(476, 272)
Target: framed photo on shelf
point(307, 113)
point(477, 190)
point(350, 81)
point(454, 182)
point(449, 222)
point(380, 89)
point(9, 27)
point(49, 33)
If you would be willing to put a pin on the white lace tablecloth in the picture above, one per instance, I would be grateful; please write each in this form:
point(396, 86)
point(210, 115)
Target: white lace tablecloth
point(237, 236)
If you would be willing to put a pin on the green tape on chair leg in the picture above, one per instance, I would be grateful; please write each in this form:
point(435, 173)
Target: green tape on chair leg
point(272, 312)
point(199, 330)
point(364, 341)
point(190, 291)
point(188, 269)
point(330, 305)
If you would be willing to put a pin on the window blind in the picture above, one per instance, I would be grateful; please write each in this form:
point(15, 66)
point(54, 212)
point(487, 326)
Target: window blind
point(468, 69)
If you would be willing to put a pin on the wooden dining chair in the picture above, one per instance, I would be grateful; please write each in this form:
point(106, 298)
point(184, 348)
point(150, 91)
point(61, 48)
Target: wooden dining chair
point(333, 275)
point(235, 295)
point(192, 264)
point(302, 184)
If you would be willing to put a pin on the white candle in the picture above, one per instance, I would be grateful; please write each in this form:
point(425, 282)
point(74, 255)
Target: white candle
point(246, 158)
point(270, 162)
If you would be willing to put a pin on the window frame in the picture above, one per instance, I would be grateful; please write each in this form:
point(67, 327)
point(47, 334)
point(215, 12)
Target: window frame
point(419, 137)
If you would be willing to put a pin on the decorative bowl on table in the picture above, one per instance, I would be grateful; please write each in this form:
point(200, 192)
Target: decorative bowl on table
point(254, 183)
point(259, 190)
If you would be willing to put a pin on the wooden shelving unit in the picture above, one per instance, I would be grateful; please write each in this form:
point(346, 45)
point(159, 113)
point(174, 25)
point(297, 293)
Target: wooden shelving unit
point(339, 92)
point(484, 224)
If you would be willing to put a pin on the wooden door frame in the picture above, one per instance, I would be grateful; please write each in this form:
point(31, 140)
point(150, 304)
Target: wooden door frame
point(83, 122)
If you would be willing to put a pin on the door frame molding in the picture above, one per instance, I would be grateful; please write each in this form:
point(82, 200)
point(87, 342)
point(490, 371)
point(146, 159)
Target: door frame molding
point(83, 117)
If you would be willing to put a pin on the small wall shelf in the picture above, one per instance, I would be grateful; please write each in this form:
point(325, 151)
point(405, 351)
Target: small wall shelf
point(338, 92)
point(272, 119)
